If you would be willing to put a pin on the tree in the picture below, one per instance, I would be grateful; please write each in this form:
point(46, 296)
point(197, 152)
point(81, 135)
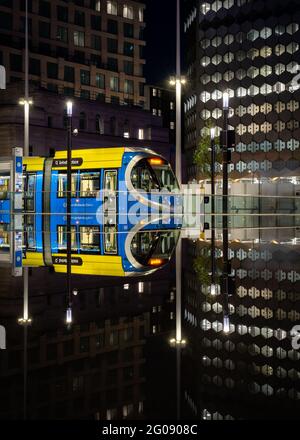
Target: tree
point(202, 155)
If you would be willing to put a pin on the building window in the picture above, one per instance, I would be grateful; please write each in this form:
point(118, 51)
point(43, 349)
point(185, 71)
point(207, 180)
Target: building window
point(128, 12)
point(112, 26)
point(96, 42)
point(100, 80)
point(44, 29)
point(112, 64)
point(96, 5)
point(112, 8)
point(141, 134)
point(142, 89)
point(154, 92)
point(62, 34)
point(52, 70)
point(69, 74)
point(154, 112)
point(85, 77)
point(114, 83)
point(128, 49)
point(172, 125)
point(34, 66)
point(128, 67)
point(159, 112)
point(45, 9)
point(62, 13)
point(82, 121)
point(79, 38)
point(79, 18)
point(128, 87)
point(112, 45)
point(99, 124)
point(141, 15)
point(128, 30)
point(96, 22)
point(172, 106)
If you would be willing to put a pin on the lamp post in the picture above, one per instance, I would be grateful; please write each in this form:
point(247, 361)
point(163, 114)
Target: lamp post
point(69, 106)
point(213, 289)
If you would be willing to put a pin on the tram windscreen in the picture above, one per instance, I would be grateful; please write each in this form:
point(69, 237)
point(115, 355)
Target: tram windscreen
point(153, 174)
point(149, 246)
point(165, 176)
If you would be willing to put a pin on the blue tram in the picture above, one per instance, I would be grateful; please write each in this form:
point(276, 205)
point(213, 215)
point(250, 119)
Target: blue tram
point(126, 211)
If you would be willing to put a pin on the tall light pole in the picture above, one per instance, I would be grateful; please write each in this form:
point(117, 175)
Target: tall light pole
point(69, 210)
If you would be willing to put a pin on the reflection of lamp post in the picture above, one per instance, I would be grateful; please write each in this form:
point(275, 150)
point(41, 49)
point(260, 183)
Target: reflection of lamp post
point(69, 211)
point(213, 225)
point(225, 214)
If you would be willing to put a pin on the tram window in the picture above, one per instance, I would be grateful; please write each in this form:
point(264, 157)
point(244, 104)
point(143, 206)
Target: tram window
point(110, 180)
point(110, 240)
point(142, 177)
point(4, 237)
point(89, 238)
point(30, 232)
point(165, 177)
point(30, 192)
point(89, 184)
point(62, 238)
point(154, 245)
point(4, 187)
point(62, 185)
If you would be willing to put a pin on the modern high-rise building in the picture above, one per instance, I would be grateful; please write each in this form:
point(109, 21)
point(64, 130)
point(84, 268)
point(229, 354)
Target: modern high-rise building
point(248, 368)
point(250, 49)
point(92, 49)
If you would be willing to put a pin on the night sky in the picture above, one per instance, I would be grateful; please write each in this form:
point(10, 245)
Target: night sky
point(160, 38)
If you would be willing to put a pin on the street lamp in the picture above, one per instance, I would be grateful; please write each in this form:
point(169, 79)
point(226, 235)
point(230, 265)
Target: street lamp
point(69, 107)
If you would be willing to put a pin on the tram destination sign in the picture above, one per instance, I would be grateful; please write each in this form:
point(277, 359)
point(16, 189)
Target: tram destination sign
point(76, 162)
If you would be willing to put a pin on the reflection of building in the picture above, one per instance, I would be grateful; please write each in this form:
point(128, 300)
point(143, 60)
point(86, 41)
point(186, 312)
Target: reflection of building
point(253, 372)
point(89, 49)
point(162, 102)
point(251, 50)
point(95, 370)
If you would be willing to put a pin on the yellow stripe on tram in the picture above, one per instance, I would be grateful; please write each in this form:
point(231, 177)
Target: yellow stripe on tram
point(100, 265)
point(33, 259)
point(34, 163)
point(96, 158)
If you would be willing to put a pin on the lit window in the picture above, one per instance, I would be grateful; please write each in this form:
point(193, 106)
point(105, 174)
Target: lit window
point(114, 83)
point(128, 12)
point(154, 112)
point(154, 92)
point(141, 15)
point(141, 134)
point(172, 105)
point(141, 287)
point(79, 38)
point(172, 125)
point(126, 135)
point(112, 8)
point(98, 5)
point(126, 286)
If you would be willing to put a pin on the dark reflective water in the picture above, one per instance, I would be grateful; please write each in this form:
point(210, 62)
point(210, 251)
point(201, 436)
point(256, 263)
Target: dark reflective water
point(239, 353)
